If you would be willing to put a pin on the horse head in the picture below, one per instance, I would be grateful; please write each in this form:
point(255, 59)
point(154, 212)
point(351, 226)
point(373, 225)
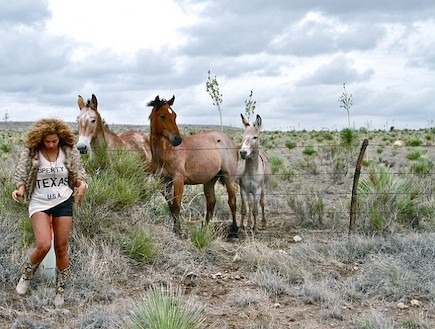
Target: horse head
point(88, 122)
point(162, 120)
point(251, 138)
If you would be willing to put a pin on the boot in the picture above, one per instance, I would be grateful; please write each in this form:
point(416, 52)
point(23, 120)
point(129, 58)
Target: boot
point(26, 276)
point(61, 278)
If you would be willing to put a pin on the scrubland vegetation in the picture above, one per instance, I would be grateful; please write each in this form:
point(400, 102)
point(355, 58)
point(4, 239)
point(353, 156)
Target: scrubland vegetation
point(128, 270)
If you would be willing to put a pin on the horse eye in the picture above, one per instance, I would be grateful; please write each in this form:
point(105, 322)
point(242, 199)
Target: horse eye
point(255, 137)
point(93, 121)
point(162, 116)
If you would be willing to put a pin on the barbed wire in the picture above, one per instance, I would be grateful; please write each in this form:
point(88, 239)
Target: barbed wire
point(293, 173)
point(269, 148)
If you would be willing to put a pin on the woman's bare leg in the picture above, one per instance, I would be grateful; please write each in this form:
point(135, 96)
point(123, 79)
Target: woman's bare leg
point(61, 229)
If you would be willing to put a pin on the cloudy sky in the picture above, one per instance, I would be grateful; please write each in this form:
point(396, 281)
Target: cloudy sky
point(294, 55)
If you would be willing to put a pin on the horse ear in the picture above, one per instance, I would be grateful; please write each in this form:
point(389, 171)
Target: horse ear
point(245, 122)
point(81, 102)
point(171, 101)
point(258, 122)
point(157, 101)
point(94, 102)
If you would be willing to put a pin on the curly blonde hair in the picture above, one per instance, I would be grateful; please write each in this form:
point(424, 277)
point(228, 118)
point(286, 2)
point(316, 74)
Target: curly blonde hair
point(40, 129)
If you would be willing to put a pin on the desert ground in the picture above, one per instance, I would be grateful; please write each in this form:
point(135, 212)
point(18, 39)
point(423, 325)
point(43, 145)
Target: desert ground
point(303, 270)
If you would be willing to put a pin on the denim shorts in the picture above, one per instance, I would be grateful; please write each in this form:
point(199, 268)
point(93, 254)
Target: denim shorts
point(63, 209)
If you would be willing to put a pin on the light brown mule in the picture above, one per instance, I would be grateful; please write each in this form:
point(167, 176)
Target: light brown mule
point(94, 133)
point(203, 158)
point(254, 174)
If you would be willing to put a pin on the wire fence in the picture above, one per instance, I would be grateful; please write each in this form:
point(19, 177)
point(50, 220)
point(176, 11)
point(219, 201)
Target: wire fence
point(320, 173)
point(319, 185)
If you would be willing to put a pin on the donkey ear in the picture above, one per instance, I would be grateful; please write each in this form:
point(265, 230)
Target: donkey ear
point(81, 102)
point(94, 102)
point(244, 121)
point(171, 101)
point(258, 122)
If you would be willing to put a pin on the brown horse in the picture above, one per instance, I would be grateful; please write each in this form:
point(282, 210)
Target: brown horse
point(202, 158)
point(254, 174)
point(94, 133)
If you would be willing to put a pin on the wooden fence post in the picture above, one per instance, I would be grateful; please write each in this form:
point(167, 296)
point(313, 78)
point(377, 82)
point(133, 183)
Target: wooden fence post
point(354, 200)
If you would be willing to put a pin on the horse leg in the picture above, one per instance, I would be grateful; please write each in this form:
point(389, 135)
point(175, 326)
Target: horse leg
point(243, 210)
point(210, 198)
point(231, 189)
point(263, 217)
point(256, 199)
point(251, 207)
point(176, 204)
point(169, 196)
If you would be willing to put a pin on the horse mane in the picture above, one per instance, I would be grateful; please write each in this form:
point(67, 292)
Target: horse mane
point(88, 103)
point(158, 104)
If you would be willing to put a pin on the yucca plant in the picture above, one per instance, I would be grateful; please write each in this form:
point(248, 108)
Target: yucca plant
point(139, 245)
point(201, 235)
point(165, 307)
point(290, 144)
point(423, 166)
point(276, 164)
point(415, 154)
point(309, 150)
point(349, 138)
point(27, 236)
point(119, 180)
point(414, 142)
point(388, 199)
point(5, 148)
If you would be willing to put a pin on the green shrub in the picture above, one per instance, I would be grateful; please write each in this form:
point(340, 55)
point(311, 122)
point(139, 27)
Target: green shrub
point(119, 181)
point(309, 150)
point(5, 148)
point(276, 164)
point(290, 144)
point(415, 154)
point(414, 142)
point(27, 236)
point(423, 166)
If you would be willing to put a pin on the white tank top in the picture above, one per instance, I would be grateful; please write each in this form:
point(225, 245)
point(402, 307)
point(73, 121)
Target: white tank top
point(51, 186)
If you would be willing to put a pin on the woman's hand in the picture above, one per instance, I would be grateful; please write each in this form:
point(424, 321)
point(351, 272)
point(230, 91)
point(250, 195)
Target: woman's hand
point(18, 193)
point(79, 192)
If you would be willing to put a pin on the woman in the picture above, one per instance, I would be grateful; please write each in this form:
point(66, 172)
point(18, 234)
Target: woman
point(50, 174)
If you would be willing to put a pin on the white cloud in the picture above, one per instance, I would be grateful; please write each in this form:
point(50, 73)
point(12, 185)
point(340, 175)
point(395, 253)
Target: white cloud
point(294, 55)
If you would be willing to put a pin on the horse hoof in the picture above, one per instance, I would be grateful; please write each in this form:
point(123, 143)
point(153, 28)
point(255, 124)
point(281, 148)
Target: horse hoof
point(234, 240)
point(234, 233)
point(178, 232)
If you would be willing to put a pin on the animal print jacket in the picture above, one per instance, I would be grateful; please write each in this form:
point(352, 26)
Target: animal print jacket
point(27, 168)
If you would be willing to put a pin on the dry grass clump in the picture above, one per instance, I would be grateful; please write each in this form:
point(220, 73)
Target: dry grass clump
point(402, 269)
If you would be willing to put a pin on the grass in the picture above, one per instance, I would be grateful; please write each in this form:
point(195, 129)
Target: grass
point(349, 138)
point(128, 269)
point(139, 245)
point(391, 200)
point(290, 144)
point(309, 150)
point(201, 235)
point(165, 307)
point(415, 154)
